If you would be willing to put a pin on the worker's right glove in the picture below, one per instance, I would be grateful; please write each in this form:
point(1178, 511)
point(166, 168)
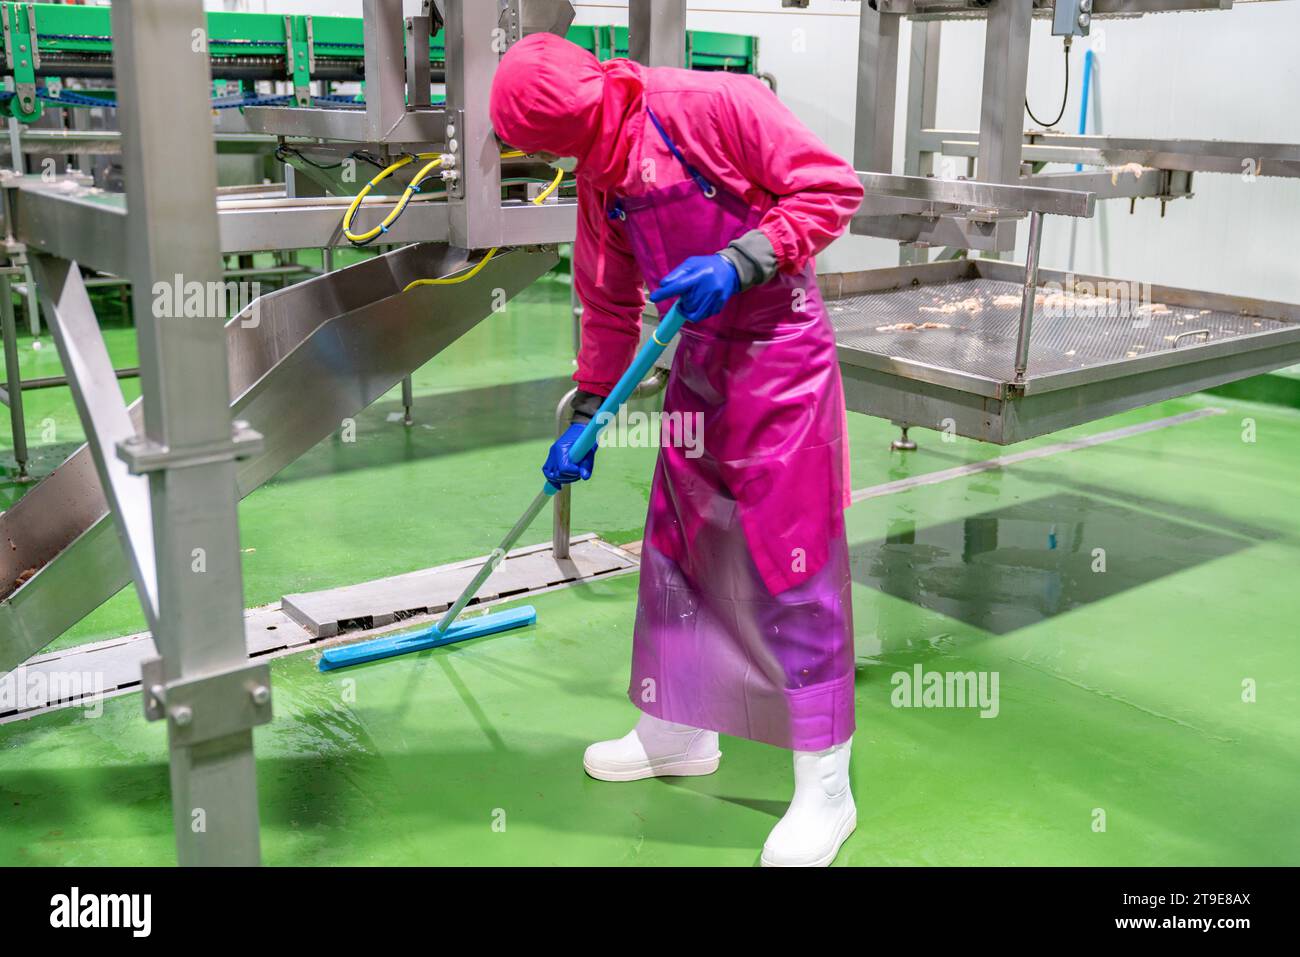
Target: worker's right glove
point(559, 470)
point(704, 283)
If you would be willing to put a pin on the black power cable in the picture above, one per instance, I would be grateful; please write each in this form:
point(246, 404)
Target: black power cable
point(1064, 96)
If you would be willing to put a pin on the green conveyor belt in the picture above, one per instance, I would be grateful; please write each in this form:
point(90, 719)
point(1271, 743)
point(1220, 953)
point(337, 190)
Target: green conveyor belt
point(77, 39)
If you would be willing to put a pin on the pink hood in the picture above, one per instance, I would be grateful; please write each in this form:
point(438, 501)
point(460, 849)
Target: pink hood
point(553, 96)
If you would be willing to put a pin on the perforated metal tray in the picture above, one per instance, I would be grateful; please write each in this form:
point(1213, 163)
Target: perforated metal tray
point(1098, 345)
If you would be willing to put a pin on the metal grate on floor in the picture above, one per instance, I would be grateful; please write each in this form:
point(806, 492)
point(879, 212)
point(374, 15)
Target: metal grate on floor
point(85, 675)
point(969, 326)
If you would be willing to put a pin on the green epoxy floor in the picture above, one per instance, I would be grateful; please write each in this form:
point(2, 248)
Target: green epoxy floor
point(1119, 690)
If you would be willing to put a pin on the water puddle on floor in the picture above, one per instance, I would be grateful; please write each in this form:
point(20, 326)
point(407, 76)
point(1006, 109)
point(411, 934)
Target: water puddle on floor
point(1012, 567)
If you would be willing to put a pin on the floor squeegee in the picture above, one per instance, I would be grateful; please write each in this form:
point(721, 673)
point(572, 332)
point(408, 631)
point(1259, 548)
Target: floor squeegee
point(446, 631)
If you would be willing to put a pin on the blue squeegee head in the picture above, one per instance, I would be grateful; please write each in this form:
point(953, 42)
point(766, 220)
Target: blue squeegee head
point(427, 638)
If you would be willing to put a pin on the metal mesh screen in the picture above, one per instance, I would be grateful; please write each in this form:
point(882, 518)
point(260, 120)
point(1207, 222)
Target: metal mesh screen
point(975, 321)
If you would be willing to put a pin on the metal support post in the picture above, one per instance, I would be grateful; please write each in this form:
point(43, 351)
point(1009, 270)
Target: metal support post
point(474, 196)
point(202, 684)
point(1028, 294)
point(560, 514)
point(418, 71)
point(922, 100)
point(873, 135)
point(104, 417)
point(300, 56)
point(32, 298)
point(16, 251)
point(18, 159)
point(1006, 73)
point(385, 66)
point(13, 377)
point(657, 32)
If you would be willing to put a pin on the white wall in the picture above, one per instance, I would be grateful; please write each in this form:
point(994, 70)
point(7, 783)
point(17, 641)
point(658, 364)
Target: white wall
point(1224, 75)
point(1230, 75)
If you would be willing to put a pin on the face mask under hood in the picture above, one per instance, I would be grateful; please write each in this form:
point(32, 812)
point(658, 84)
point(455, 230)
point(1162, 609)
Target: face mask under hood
point(553, 96)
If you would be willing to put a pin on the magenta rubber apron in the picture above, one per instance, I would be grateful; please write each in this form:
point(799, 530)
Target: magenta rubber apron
point(744, 623)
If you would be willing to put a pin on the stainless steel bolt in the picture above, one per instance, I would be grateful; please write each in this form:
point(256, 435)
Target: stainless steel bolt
point(183, 716)
point(261, 695)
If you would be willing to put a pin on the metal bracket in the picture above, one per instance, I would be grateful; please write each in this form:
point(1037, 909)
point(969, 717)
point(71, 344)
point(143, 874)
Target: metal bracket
point(452, 160)
point(9, 45)
point(34, 37)
point(1175, 184)
point(22, 58)
point(207, 708)
point(300, 56)
point(418, 73)
point(143, 456)
point(519, 18)
point(510, 22)
point(1072, 18)
point(430, 9)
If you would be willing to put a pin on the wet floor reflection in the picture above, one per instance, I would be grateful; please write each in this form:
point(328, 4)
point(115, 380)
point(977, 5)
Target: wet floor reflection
point(1015, 566)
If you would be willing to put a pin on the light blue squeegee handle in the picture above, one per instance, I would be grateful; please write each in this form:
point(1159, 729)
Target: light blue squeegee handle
point(654, 347)
point(645, 359)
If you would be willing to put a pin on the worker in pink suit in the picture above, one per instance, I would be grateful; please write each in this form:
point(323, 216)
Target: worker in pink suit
point(706, 189)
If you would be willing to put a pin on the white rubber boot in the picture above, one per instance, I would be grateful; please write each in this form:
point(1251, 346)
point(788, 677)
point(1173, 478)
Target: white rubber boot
point(654, 749)
point(821, 815)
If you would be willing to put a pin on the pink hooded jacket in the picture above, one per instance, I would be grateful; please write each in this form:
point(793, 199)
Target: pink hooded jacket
point(552, 96)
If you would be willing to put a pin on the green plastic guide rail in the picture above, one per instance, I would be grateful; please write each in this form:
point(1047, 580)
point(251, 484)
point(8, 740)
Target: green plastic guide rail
point(48, 40)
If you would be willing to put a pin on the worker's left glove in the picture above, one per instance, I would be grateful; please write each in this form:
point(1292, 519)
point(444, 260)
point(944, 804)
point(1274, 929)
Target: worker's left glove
point(559, 470)
point(704, 283)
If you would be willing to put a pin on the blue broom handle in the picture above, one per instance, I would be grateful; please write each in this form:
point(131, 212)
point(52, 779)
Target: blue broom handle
point(646, 357)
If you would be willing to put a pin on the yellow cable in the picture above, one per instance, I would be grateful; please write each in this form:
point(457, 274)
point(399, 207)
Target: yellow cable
point(555, 184)
point(452, 280)
point(365, 191)
point(435, 160)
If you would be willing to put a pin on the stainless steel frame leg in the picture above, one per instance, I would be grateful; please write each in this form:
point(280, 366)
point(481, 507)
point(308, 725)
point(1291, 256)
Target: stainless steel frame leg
point(1002, 109)
point(13, 378)
point(408, 402)
point(575, 306)
point(33, 301)
point(902, 443)
point(560, 525)
point(922, 103)
point(873, 136)
point(652, 384)
point(657, 32)
point(15, 129)
point(1028, 294)
point(203, 684)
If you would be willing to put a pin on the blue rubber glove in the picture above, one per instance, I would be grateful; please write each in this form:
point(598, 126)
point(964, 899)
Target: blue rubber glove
point(704, 283)
point(558, 469)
